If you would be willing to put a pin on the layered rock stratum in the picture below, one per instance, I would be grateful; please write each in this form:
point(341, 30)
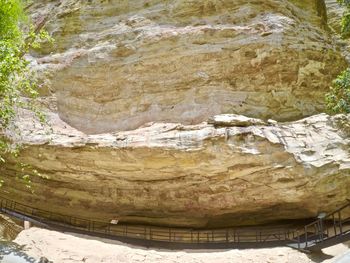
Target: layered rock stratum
point(117, 65)
point(143, 97)
point(334, 14)
point(232, 171)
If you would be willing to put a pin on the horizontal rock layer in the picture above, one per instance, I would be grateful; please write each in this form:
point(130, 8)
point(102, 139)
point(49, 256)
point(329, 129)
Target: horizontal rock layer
point(205, 175)
point(143, 66)
point(119, 64)
point(334, 14)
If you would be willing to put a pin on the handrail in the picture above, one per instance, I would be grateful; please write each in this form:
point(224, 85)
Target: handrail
point(29, 207)
point(303, 238)
point(332, 213)
point(153, 233)
point(322, 232)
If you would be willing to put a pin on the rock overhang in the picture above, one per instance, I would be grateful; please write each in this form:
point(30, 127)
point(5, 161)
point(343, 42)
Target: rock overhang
point(189, 175)
point(118, 65)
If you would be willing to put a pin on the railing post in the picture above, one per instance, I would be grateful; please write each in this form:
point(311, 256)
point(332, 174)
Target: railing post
point(298, 239)
point(317, 228)
point(306, 237)
point(226, 235)
point(260, 235)
point(340, 223)
point(321, 229)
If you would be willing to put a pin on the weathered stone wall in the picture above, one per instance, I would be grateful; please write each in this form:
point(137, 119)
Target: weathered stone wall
point(223, 173)
point(119, 64)
point(335, 12)
point(169, 65)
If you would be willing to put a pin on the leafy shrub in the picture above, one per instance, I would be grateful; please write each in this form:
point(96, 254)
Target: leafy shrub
point(338, 98)
point(17, 36)
point(345, 23)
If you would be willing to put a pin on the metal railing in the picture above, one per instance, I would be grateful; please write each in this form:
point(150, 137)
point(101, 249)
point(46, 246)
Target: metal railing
point(317, 231)
point(328, 227)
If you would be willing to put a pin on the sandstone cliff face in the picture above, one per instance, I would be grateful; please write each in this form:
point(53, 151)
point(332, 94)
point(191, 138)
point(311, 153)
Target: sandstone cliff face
point(141, 77)
point(119, 64)
point(228, 172)
point(334, 14)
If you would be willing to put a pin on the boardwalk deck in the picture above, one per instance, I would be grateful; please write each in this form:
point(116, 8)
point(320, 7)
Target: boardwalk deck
point(333, 229)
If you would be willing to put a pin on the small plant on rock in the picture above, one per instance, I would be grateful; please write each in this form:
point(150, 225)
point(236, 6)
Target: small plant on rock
point(338, 98)
point(17, 84)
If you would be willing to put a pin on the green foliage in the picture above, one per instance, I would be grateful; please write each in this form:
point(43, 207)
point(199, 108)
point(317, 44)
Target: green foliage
point(16, 80)
point(344, 2)
point(345, 23)
point(338, 98)
point(12, 64)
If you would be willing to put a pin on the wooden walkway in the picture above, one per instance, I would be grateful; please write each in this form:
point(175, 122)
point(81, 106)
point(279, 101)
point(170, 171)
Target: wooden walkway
point(333, 229)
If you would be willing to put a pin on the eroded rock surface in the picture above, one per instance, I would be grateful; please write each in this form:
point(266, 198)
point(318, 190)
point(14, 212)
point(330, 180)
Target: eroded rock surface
point(141, 77)
point(198, 175)
point(119, 64)
point(334, 14)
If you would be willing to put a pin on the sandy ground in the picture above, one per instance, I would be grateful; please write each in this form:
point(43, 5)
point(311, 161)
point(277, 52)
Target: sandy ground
point(64, 247)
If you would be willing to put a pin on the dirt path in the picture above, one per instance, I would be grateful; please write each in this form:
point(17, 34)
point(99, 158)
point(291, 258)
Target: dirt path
point(59, 247)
